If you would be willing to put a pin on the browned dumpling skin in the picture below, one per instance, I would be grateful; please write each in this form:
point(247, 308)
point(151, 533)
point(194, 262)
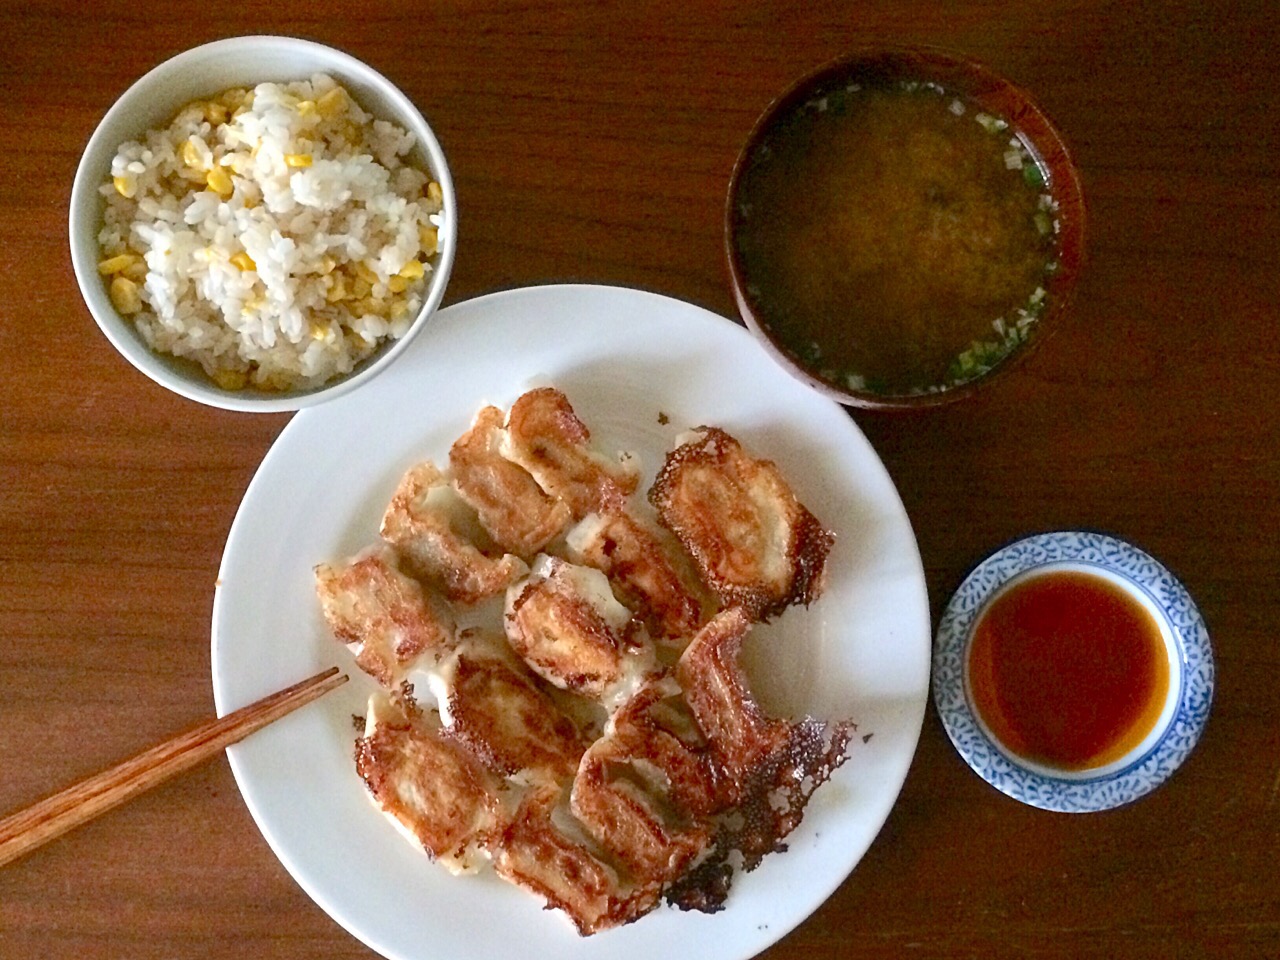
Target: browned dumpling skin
point(429, 783)
point(739, 732)
point(767, 768)
point(493, 705)
point(754, 543)
point(658, 734)
point(648, 568)
point(516, 512)
point(654, 839)
point(606, 752)
point(545, 437)
point(421, 523)
point(532, 853)
point(387, 618)
point(565, 623)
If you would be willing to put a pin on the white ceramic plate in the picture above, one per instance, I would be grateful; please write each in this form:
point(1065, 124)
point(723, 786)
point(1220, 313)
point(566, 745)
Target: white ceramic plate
point(627, 360)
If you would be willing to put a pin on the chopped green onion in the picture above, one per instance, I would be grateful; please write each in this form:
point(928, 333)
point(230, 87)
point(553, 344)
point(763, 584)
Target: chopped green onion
point(987, 122)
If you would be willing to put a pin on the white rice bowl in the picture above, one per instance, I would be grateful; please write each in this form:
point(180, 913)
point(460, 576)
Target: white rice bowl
point(339, 231)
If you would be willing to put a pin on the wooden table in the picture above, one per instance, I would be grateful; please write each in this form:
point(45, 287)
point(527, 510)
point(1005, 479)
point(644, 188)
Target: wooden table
point(593, 142)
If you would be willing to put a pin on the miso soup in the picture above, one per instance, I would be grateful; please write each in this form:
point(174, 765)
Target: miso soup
point(895, 238)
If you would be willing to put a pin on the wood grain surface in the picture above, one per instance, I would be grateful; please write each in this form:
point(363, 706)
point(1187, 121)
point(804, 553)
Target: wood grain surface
point(32, 827)
point(593, 141)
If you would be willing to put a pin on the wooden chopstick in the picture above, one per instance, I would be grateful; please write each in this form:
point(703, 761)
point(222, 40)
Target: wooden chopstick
point(22, 832)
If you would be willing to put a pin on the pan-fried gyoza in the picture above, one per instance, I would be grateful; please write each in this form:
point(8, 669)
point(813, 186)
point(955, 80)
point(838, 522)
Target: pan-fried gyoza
point(387, 619)
point(593, 738)
point(754, 543)
point(426, 522)
point(545, 436)
point(566, 624)
point(517, 513)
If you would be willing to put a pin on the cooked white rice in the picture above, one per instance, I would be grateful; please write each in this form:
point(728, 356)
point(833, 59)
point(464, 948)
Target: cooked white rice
point(274, 236)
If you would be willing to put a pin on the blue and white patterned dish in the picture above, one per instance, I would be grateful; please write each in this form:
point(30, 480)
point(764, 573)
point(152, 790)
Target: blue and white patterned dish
point(1192, 673)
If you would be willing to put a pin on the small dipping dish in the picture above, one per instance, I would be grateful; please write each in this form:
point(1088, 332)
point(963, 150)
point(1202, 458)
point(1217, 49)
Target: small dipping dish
point(903, 225)
point(1073, 672)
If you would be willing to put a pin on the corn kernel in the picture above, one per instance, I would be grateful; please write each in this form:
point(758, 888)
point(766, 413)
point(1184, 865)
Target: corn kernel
point(215, 112)
point(136, 271)
point(243, 261)
point(412, 270)
point(297, 160)
point(219, 182)
point(127, 187)
point(399, 309)
point(274, 380)
point(434, 193)
point(190, 154)
point(351, 133)
point(327, 265)
point(332, 103)
point(361, 287)
point(231, 379)
point(306, 108)
point(124, 295)
point(397, 284)
point(365, 273)
point(116, 264)
point(319, 331)
point(429, 238)
point(336, 292)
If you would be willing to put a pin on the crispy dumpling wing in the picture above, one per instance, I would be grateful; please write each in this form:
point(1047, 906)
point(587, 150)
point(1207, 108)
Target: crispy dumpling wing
point(768, 768)
point(754, 543)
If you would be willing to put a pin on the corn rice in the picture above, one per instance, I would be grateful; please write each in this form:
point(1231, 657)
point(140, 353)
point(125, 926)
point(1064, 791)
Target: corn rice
point(276, 236)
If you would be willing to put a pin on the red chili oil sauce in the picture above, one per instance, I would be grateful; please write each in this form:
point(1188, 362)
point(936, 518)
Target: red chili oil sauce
point(1069, 670)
